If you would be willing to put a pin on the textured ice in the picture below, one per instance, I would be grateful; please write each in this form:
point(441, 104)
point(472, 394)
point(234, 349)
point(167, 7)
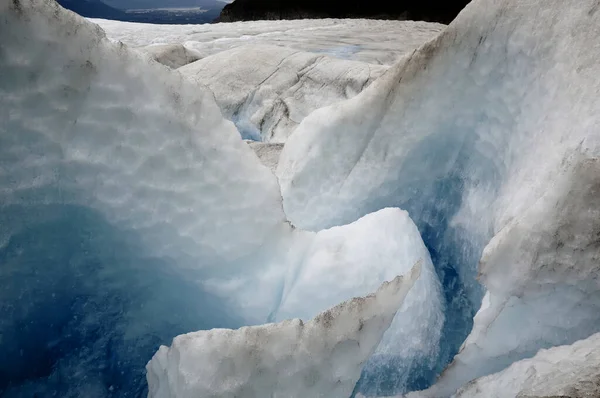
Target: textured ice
point(171, 55)
point(267, 152)
point(489, 131)
point(268, 76)
point(320, 358)
point(566, 371)
point(120, 183)
point(133, 212)
point(371, 41)
point(268, 90)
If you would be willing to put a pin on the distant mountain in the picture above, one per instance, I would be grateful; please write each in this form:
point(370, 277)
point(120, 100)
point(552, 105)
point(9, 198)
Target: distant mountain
point(150, 4)
point(148, 11)
point(428, 10)
point(93, 9)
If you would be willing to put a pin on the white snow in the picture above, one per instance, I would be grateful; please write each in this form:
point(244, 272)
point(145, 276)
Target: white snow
point(566, 371)
point(268, 90)
point(320, 358)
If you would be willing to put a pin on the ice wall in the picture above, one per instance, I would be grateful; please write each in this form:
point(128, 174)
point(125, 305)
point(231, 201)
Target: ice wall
point(477, 134)
point(120, 183)
point(131, 212)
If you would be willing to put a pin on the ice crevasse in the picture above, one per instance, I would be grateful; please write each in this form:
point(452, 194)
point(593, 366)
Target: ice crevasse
point(132, 212)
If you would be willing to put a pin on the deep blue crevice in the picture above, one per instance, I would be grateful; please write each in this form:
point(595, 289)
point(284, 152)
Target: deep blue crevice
point(431, 186)
point(82, 308)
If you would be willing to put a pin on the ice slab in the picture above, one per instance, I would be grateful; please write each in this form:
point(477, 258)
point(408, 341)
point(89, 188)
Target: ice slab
point(320, 358)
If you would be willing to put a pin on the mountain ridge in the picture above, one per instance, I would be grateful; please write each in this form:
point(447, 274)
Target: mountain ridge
point(427, 10)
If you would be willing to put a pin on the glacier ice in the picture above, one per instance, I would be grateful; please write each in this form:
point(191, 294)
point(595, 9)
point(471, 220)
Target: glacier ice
point(267, 152)
point(132, 212)
point(125, 194)
point(268, 90)
point(320, 358)
point(353, 260)
point(120, 185)
point(565, 371)
point(486, 134)
point(373, 41)
point(172, 55)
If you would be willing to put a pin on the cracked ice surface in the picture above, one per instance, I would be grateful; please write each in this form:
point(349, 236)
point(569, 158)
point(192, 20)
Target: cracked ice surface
point(371, 41)
point(268, 90)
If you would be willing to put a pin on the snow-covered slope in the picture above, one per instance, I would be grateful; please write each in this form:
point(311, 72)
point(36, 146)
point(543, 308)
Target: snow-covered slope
point(371, 41)
point(268, 90)
point(489, 131)
point(320, 358)
point(566, 371)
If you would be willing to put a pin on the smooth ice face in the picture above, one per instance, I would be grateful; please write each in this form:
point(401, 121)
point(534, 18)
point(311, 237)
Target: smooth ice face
point(566, 371)
point(475, 135)
point(267, 90)
point(354, 259)
point(320, 358)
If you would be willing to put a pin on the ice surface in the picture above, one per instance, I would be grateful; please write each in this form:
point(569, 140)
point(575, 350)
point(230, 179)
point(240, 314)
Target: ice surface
point(320, 358)
point(171, 55)
point(489, 131)
point(566, 371)
point(371, 41)
point(268, 76)
point(268, 90)
point(267, 152)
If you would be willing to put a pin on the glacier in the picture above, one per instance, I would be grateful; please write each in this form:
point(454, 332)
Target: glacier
point(488, 137)
point(267, 77)
point(267, 90)
point(132, 212)
point(375, 42)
